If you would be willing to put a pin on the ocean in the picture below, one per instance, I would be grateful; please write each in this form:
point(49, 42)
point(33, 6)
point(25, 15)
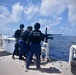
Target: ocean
point(59, 47)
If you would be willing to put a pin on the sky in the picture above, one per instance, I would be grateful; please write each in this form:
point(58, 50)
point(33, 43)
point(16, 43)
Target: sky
point(59, 16)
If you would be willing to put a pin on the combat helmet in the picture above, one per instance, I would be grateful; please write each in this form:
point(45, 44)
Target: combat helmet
point(21, 25)
point(37, 25)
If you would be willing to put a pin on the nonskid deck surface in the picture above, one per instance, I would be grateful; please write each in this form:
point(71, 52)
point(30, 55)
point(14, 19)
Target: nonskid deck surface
point(9, 66)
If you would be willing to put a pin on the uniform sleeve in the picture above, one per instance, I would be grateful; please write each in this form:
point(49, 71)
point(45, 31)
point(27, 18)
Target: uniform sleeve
point(30, 36)
point(42, 36)
point(15, 34)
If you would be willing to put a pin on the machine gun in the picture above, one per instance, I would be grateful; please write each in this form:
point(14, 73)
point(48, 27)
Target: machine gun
point(45, 46)
point(47, 36)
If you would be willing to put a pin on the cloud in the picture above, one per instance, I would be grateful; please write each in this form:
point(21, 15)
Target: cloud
point(36, 12)
point(4, 15)
point(49, 23)
point(49, 13)
point(31, 11)
point(52, 7)
point(72, 12)
point(68, 30)
point(8, 18)
point(17, 10)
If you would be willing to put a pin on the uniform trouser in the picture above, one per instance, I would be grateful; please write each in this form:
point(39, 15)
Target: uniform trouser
point(16, 49)
point(34, 48)
point(23, 48)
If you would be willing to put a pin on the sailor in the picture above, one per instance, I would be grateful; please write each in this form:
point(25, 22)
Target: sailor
point(23, 42)
point(17, 35)
point(35, 38)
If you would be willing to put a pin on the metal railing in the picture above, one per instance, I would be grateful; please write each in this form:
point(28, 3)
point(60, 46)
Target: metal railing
point(72, 53)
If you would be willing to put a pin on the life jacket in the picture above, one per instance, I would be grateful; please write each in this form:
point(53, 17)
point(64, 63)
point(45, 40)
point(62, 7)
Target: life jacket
point(35, 36)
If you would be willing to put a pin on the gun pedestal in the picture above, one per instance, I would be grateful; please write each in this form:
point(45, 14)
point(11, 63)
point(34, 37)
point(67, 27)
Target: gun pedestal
point(45, 49)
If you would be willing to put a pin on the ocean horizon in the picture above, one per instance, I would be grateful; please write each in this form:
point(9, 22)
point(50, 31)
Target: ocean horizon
point(59, 47)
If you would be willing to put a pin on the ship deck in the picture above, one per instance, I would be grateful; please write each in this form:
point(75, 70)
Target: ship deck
point(9, 66)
